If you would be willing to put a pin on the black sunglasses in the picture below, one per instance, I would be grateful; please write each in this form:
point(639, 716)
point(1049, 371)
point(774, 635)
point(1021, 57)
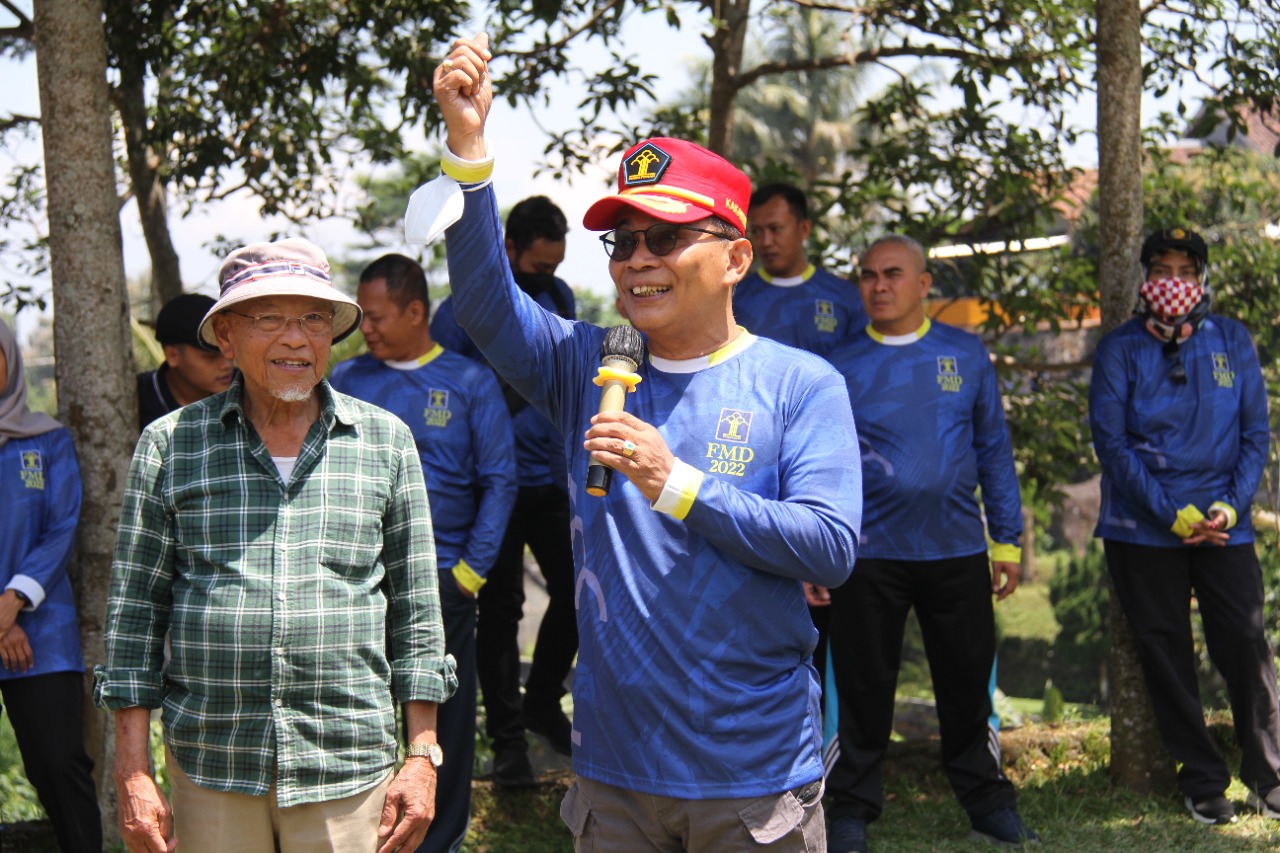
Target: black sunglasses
point(620, 244)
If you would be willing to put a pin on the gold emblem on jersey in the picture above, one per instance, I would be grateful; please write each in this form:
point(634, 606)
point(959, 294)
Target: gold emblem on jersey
point(732, 459)
point(1222, 372)
point(824, 316)
point(437, 413)
point(32, 469)
point(949, 378)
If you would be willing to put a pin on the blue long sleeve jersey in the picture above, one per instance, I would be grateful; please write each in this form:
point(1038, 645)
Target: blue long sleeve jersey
point(694, 677)
point(460, 424)
point(1163, 445)
point(40, 494)
point(539, 456)
point(931, 428)
point(815, 315)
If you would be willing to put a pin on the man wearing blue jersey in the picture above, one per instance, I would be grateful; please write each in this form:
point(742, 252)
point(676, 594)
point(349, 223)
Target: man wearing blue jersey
point(695, 720)
point(787, 298)
point(535, 244)
point(931, 428)
point(460, 424)
point(1178, 410)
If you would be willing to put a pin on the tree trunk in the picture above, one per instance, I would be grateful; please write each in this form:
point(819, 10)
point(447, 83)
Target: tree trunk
point(149, 192)
point(97, 399)
point(1138, 758)
point(726, 45)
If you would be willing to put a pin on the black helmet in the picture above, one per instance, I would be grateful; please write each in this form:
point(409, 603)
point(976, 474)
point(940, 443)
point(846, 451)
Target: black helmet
point(1180, 239)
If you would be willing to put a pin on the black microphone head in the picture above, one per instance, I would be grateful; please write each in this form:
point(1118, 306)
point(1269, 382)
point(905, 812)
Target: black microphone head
point(623, 342)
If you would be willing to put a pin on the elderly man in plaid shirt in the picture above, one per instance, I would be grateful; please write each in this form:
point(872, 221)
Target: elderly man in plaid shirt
point(279, 533)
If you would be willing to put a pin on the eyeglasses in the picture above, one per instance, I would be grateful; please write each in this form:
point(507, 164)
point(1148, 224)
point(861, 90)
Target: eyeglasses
point(314, 323)
point(620, 244)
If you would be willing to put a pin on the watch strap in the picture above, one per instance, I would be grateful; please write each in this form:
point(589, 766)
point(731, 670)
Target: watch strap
point(430, 751)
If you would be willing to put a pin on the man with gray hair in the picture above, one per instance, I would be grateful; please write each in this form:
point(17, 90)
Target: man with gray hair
point(931, 429)
point(279, 533)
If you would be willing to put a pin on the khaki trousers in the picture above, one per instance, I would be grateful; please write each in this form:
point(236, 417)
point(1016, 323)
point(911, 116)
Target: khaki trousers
point(607, 819)
point(208, 821)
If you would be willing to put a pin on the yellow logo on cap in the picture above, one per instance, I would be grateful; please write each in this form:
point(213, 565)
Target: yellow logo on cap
point(1178, 234)
point(737, 211)
point(645, 165)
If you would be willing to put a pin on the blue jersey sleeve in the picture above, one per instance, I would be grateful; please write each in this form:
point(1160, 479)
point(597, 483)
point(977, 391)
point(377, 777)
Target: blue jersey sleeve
point(996, 472)
point(810, 532)
point(1110, 391)
point(492, 442)
point(520, 339)
point(47, 560)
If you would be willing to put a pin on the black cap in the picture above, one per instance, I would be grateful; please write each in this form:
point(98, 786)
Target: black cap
point(179, 320)
point(1175, 239)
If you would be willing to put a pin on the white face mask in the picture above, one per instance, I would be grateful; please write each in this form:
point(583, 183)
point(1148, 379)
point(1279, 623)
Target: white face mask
point(433, 207)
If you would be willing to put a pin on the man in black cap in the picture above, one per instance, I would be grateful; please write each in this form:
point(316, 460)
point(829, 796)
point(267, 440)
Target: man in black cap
point(190, 371)
point(1178, 409)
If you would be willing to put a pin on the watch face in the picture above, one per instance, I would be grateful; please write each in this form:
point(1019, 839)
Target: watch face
point(430, 751)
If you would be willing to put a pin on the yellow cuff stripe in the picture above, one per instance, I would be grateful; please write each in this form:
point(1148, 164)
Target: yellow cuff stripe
point(687, 496)
point(604, 374)
point(466, 171)
point(1228, 510)
point(467, 577)
point(1187, 516)
point(1001, 553)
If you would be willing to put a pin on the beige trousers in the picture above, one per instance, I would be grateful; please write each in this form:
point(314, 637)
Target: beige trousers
point(206, 821)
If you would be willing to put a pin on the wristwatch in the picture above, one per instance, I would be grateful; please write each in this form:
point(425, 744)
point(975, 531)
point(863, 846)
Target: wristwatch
point(430, 751)
point(22, 596)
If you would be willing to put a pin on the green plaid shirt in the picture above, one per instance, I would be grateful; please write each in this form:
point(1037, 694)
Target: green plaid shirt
point(299, 613)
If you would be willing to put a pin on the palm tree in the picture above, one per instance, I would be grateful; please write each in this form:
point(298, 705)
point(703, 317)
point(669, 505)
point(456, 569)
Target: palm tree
point(801, 118)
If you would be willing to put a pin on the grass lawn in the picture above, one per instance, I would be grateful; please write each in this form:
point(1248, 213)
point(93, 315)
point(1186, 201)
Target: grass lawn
point(1065, 795)
point(1060, 771)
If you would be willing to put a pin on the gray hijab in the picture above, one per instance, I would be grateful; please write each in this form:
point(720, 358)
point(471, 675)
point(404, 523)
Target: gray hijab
point(16, 420)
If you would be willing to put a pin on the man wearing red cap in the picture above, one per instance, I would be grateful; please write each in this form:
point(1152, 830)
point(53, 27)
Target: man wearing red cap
point(279, 534)
point(695, 722)
point(1179, 417)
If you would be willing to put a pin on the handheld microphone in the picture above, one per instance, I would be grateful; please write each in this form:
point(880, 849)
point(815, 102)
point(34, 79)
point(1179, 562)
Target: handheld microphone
point(621, 353)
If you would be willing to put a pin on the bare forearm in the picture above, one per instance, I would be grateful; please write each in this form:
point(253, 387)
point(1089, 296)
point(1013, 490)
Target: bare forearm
point(420, 722)
point(133, 742)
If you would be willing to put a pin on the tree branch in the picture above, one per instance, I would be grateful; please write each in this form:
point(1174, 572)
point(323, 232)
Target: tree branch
point(16, 120)
point(560, 43)
point(859, 11)
point(24, 29)
point(877, 55)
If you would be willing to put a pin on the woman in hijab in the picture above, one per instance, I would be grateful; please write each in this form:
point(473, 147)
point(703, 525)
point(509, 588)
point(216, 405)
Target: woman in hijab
point(41, 667)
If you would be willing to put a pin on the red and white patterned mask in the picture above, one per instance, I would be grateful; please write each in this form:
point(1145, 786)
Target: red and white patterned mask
point(1171, 299)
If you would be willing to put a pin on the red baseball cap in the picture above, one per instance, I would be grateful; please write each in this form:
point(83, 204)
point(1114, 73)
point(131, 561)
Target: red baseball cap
point(675, 181)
